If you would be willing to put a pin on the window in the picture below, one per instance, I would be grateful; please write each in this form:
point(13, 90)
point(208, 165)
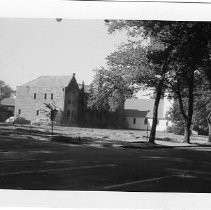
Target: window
point(37, 112)
point(145, 121)
point(68, 114)
point(45, 97)
point(69, 101)
point(51, 96)
point(19, 111)
point(134, 120)
point(35, 95)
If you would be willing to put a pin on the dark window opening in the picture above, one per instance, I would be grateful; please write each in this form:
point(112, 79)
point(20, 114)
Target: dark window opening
point(19, 111)
point(37, 112)
point(134, 120)
point(45, 96)
point(35, 95)
point(51, 96)
point(68, 113)
point(145, 121)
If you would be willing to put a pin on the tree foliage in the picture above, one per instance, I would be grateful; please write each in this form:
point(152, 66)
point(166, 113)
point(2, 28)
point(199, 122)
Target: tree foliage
point(109, 89)
point(5, 90)
point(185, 53)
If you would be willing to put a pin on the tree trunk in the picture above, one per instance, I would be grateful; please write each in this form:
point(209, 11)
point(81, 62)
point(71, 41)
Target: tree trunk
point(208, 74)
point(187, 132)
point(187, 117)
point(155, 112)
point(209, 137)
point(51, 128)
point(209, 126)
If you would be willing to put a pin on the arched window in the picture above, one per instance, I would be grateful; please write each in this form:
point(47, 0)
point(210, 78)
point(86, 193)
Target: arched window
point(134, 120)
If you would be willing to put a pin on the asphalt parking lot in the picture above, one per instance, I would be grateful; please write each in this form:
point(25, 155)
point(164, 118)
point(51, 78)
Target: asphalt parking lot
point(31, 164)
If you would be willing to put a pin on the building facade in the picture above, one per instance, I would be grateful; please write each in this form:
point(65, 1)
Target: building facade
point(60, 91)
point(139, 114)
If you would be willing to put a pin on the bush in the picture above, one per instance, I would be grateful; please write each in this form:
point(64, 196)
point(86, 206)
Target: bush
point(22, 121)
point(169, 129)
point(5, 114)
point(178, 130)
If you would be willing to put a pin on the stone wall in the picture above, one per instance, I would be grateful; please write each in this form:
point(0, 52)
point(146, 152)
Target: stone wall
point(29, 106)
point(71, 103)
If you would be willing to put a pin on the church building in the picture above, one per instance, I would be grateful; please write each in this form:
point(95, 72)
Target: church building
point(61, 91)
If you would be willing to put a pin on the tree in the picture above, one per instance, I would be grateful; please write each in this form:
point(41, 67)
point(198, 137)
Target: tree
point(191, 49)
point(110, 88)
point(174, 114)
point(188, 45)
point(5, 90)
point(51, 113)
point(156, 56)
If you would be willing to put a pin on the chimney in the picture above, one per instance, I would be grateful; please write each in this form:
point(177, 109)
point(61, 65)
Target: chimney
point(73, 74)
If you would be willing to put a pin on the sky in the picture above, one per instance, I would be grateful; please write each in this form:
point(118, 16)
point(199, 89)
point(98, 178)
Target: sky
point(30, 48)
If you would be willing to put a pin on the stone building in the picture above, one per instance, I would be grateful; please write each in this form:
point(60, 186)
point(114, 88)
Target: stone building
point(61, 91)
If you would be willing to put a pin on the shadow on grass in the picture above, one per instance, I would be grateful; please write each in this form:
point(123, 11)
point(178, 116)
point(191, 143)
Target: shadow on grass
point(69, 140)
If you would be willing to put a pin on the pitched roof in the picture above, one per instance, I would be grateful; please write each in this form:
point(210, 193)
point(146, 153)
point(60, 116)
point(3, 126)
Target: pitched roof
point(8, 102)
point(50, 81)
point(53, 81)
point(142, 108)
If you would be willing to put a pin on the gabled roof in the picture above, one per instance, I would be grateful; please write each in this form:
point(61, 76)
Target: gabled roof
point(139, 107)
point(53, 81)
point(50, 81)
point(8, 102)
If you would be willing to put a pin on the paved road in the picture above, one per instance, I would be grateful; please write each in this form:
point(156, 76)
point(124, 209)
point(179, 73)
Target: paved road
point(32, 164)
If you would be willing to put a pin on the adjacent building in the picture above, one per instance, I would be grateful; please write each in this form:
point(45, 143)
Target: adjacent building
point(139, 114)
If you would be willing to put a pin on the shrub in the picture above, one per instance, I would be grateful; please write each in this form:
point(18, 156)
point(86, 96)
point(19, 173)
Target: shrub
point(178, 130)
point(22, 121)
point(169, 129)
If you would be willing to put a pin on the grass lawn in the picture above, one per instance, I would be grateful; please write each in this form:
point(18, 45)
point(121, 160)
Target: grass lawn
point(107, 135)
